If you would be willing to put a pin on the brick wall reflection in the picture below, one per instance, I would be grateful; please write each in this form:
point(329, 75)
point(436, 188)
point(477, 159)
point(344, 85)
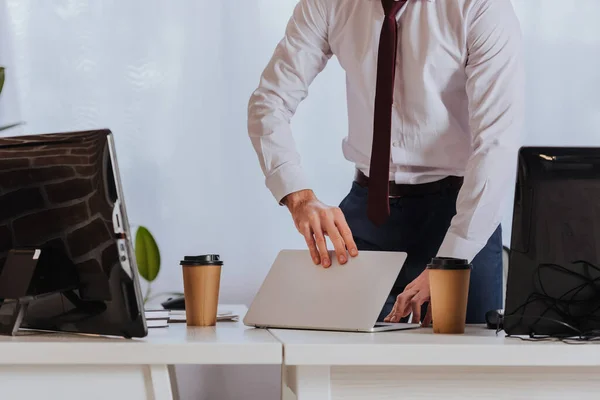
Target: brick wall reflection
point(54, 192)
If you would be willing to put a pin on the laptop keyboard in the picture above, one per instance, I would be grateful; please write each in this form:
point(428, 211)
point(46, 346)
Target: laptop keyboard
point(380, 325)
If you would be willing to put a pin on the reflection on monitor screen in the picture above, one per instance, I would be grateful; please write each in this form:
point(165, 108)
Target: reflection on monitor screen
point(59, 193)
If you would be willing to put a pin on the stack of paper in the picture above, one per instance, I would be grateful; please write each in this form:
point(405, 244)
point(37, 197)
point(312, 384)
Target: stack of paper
point(222, 315)
point(157, 318)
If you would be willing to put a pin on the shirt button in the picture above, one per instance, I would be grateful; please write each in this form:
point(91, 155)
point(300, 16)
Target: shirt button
point(396, 143)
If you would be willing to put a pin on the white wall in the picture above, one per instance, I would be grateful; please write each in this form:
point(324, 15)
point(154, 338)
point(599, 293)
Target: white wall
point(9, 101)
point(172, 80)
point(174, 86)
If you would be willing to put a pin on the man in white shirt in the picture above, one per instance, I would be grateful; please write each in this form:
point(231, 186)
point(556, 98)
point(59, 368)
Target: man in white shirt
point(435, 87)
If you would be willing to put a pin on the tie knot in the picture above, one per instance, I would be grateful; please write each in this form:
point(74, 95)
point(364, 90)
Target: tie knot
point(391, 7)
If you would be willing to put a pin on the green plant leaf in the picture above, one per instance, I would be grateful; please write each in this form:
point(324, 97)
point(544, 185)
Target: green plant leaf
point(1, 78)
point(147, 254)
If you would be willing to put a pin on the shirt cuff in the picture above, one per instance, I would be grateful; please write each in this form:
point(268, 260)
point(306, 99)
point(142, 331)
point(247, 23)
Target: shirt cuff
point(457, 247)
point(286, 179)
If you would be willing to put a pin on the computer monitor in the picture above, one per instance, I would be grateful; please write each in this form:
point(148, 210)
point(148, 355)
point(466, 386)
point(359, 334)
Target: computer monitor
point(553, 283)
point(61, 201)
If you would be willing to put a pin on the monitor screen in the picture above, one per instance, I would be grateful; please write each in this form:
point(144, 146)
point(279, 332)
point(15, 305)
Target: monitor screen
point(555, 247)
point(61, 193)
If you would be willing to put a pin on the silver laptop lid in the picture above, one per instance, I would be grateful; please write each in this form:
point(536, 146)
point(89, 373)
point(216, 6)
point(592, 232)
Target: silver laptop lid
point(298, 294)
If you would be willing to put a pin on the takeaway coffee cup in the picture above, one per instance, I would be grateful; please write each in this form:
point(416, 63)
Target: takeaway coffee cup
point(201, 282)
point(449, 283)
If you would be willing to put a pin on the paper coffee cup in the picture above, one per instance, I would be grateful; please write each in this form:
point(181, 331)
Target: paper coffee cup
point(449, 284)
point(201, 283)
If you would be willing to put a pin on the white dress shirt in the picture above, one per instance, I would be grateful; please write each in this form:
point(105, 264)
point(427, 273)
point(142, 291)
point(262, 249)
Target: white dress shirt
point(459, 100)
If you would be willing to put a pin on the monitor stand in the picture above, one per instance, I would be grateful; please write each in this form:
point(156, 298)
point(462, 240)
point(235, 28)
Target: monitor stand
point(16, 319)
point(25, 278)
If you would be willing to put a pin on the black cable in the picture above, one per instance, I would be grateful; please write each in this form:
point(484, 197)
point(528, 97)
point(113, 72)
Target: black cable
point(564, 305)
point(557, 339)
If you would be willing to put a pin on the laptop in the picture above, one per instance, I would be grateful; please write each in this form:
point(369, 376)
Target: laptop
point(297, 294)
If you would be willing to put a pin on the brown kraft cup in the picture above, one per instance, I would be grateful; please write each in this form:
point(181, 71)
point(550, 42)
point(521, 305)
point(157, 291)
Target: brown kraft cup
point(449, 284)
point(201, 282)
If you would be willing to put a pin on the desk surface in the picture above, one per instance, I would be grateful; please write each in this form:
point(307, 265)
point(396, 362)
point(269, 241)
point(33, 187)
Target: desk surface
point(420, 347)
point(226, 343)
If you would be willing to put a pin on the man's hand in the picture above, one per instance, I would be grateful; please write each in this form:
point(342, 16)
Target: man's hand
point(410, 301)
point(315, 220)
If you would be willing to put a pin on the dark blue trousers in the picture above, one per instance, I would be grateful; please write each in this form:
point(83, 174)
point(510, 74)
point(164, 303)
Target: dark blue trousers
point(417, 226)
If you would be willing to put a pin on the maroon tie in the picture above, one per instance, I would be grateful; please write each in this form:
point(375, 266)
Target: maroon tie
point(378, 201)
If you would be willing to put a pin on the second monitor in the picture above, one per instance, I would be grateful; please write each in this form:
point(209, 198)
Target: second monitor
point(554, 268)
point(66, 255)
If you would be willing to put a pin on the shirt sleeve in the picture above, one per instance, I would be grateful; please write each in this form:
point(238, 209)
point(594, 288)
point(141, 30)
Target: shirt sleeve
point(298, 58)
point(495, 89)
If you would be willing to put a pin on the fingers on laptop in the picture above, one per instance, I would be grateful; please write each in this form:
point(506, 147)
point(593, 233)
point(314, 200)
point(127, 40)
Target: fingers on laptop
point(310, 242)
point(330, 223)
point(348, 239)
point(337, 240)
point(319, 237)
point(407, 302)
point(401, 306)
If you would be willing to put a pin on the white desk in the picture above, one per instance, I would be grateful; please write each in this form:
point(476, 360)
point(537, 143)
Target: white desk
point(420, 365)
point(63, 366)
